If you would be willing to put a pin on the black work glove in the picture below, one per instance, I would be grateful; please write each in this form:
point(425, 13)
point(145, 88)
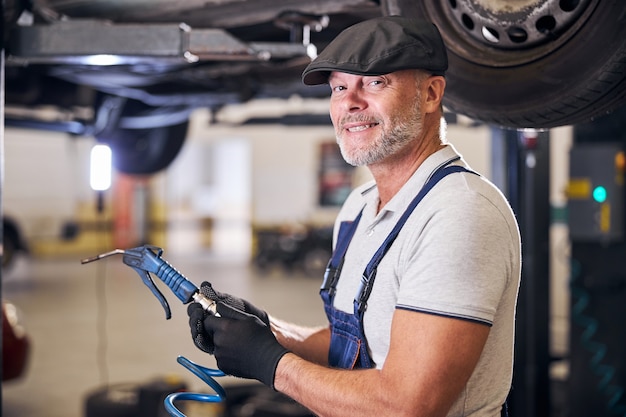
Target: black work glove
point(204, 340)
point(244, 346)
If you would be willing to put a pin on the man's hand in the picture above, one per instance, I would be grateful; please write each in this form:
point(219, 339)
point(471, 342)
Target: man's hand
point(244, 346)
point(238, 303)
point(202, 339)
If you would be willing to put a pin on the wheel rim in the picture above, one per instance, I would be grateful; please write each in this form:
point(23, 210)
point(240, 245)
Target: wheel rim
point(506, 33)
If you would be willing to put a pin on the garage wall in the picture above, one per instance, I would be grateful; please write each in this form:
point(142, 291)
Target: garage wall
point(46, 181)
point(285, 164)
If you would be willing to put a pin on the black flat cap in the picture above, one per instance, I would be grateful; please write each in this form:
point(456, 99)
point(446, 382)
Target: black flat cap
point(380, 46)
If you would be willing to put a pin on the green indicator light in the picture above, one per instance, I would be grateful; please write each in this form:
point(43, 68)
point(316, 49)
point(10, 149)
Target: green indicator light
point(599, 194)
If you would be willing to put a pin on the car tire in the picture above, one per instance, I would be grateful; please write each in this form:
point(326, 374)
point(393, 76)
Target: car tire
point(572, 78)
point(145, 151)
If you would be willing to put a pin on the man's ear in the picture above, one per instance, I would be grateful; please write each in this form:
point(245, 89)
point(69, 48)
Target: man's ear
point(434, 86)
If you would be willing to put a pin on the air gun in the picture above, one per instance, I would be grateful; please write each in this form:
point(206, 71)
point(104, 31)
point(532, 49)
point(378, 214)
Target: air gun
point(147, 259)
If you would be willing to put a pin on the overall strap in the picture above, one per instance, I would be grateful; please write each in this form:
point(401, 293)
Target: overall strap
point(333, 269)
point(369, 275)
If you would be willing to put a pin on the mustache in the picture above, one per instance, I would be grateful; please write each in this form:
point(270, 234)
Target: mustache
point(359, 118)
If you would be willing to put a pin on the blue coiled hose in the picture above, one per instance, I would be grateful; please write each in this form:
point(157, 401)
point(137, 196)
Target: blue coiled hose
point(598, 350)
point(206, 375)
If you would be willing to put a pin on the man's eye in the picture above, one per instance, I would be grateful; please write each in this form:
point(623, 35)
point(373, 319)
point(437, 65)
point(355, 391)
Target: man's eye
point(338, 88)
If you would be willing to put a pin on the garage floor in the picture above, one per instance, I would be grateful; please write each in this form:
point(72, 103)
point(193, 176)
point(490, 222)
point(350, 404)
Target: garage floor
point(97, 323)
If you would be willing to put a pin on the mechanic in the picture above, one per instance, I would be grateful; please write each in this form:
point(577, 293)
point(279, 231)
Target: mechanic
point(422, 286)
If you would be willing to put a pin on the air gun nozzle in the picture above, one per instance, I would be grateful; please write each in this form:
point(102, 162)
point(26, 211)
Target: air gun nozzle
point(103, 255)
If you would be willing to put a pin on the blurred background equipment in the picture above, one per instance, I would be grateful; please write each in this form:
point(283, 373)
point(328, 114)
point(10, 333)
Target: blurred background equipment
point(597, 194)
point(294, 247)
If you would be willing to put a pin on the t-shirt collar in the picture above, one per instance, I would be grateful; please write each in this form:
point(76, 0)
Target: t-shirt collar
point(415, 183)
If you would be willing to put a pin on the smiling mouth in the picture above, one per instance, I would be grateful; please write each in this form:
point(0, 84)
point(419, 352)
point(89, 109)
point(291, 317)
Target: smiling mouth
point(360, 128)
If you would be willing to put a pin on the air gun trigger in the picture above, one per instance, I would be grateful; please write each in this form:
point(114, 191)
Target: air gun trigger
point(145, 277)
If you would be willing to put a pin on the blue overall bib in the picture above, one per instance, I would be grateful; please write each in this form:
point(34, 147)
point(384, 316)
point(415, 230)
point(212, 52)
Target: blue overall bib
point(348, 345)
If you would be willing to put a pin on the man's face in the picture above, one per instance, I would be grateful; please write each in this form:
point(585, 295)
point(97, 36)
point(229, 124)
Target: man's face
point(375, 117)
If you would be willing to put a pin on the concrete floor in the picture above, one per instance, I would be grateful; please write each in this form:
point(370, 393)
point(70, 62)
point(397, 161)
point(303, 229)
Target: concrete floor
point(97, 323)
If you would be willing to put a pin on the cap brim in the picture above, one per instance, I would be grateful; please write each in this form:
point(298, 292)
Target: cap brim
point(316, 77)
point(319, 75)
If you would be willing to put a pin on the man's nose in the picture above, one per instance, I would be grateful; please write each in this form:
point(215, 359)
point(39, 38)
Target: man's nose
point(354, 100)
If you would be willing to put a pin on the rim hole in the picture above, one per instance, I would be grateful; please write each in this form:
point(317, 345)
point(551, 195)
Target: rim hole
point(517, 34)
point(467, 22)
point(568, 5)
point(491, 34)
point(546, 24)
point(452, 3)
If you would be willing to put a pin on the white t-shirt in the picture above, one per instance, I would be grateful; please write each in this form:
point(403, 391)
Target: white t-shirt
point(458, 255)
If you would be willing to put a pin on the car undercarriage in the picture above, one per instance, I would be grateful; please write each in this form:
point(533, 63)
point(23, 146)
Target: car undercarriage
point(130, 72)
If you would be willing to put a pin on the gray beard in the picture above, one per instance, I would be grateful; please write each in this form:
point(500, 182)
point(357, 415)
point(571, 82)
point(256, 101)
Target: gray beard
point(389, 143)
